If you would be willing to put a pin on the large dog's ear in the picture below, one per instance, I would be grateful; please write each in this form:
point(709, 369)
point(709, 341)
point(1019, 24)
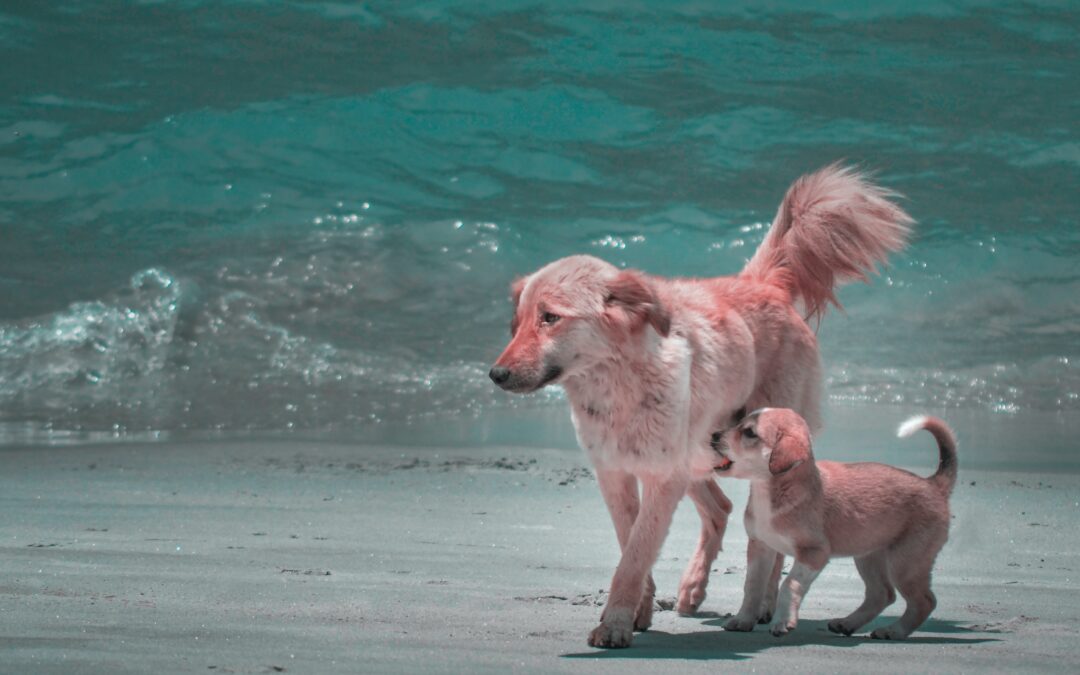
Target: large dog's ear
point(516, 289)
point(789, 451)
point(631, 292)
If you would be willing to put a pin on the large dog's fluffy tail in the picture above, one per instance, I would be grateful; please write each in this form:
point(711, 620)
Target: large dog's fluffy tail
point(945, 477)
point(833, 226)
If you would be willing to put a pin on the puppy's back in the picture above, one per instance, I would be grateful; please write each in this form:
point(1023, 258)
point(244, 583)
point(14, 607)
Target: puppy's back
point(868, 505)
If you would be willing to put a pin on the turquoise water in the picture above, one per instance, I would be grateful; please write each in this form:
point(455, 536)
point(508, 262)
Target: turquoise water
point(271, 216)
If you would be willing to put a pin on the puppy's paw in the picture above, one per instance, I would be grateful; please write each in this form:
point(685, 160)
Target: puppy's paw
point(691, 595)
point(839, 626)
point(780, 628)
point(741, 623)
point(889, 633)
point(608, 636)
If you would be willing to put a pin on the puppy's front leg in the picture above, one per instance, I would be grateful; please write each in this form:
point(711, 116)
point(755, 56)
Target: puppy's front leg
point(772, 589)
point(660, 496)
point(759, 563)
point(803, 572)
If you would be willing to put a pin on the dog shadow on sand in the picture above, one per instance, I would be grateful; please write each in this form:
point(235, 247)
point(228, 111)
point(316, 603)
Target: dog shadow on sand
point(718, 644)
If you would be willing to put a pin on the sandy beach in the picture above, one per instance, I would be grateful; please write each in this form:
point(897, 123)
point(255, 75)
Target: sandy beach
point(284, 556)
point(258, 260)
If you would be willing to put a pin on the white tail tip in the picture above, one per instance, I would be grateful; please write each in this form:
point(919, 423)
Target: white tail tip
point(917, 423)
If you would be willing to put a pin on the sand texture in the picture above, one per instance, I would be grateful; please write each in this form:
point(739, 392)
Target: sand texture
point(311, 557)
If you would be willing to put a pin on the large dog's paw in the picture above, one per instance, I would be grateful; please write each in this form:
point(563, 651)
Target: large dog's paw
point(842, 627)
point(765, 612)
point(780, 627)
point(691, 595)
point(892, 632)
point(743, 623)
point(643, 615)
point(608, 636)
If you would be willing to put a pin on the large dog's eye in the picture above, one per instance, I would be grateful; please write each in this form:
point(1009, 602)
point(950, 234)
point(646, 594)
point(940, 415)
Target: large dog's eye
point(548, 319)
point(747, 432)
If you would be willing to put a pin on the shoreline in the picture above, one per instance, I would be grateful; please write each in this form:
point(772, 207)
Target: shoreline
point(1026, 441)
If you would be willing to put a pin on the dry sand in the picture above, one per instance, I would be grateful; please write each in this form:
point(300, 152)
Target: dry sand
point(307, 557)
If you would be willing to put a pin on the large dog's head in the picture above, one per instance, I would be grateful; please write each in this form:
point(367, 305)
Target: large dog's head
point(766, 443)
point(570, 315)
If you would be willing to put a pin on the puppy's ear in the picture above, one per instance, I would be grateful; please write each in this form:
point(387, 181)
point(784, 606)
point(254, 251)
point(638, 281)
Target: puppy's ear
point(789, 451)
point(632, 292)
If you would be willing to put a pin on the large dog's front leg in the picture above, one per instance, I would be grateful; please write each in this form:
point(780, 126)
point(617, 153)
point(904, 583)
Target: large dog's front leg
point(713, 507)
point(660, 497)
point(620, 491)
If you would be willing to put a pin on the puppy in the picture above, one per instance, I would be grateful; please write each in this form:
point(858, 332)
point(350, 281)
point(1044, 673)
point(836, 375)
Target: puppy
point(892, 522)
point(652, 365)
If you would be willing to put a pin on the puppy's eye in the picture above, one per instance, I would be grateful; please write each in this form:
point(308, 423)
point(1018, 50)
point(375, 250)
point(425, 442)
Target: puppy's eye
point(548, 319)
point(747, 432)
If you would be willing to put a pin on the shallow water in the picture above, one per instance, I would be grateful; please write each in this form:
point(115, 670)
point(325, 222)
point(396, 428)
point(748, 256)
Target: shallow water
point(303, 216)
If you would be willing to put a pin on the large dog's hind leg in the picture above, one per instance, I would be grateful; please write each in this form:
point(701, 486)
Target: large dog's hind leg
point(660, 496)
point(620, 492)
point(714, 508)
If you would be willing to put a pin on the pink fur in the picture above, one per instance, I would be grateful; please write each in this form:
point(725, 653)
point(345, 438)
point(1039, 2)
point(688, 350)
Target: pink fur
point(892, 522)
point(652, 366)
point(832, 226)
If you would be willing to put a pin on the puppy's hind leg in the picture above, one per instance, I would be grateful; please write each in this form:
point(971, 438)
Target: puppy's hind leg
point(910, 564)
point(713, 507)
point(879, 594)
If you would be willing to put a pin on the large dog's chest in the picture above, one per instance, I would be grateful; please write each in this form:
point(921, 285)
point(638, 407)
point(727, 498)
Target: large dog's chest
point(643, 417)
point(631, 428)
point(632, 414)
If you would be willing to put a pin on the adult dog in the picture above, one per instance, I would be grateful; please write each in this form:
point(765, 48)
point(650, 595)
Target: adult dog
point(652, 366)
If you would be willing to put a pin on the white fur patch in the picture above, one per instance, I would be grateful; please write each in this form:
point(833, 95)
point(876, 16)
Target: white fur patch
point(917, 423)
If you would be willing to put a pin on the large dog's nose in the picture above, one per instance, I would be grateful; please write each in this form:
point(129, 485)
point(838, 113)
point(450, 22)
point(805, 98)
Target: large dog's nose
point(499, 374)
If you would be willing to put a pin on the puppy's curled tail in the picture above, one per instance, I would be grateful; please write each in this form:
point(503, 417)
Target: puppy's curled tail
point(945, 477)
point(833, 226)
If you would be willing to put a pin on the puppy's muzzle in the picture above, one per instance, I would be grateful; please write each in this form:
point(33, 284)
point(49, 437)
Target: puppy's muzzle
point(718, 445)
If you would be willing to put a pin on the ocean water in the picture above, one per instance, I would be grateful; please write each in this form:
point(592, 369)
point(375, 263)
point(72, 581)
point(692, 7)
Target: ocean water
point(271, 216)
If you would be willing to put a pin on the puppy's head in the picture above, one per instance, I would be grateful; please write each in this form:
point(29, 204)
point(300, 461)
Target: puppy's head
point(767, 442)
point(569, 315)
